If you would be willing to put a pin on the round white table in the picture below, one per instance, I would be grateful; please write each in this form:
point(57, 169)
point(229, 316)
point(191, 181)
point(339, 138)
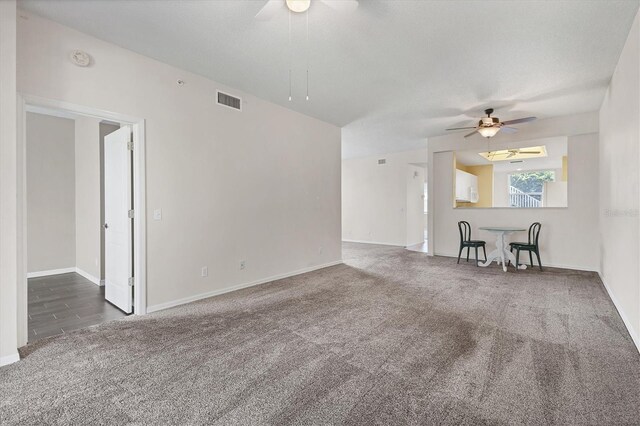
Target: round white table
point(501, 253)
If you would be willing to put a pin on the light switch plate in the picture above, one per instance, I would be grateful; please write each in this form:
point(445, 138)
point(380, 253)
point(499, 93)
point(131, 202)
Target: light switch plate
point(157, 214)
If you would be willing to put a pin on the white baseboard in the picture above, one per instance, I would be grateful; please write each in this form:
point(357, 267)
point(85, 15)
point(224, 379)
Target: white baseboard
point(419, 243)
point(526, 261)
point(632, 332)
point(79, 271)
point(38, 274)
point(201, 296)
point(572, 267)
point(9, 359)
point(373, 242)
point(88, 276)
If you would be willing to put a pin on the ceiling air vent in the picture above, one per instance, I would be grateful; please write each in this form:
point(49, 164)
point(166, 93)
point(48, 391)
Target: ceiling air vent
point(382, 161)
point(229, 101)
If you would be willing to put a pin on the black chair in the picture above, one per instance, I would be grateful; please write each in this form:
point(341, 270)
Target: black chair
point(466, 241)
point(531, 246)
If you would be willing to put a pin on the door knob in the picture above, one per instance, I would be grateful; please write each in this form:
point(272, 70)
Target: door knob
point(105, 226)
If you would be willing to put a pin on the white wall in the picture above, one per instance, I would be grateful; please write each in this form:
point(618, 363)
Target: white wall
point(374, 197)
point(51, 212)
point(501, 189)
point(555, 193)
point(10, 224)
point(619, 184)
point(87, 200)
point(261, 185)
point(569, 236)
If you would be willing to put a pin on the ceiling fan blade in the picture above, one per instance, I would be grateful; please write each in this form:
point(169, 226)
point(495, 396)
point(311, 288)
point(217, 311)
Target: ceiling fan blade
point(462, 128)
point(472, 133)
point(269, 10)
point(342, 5)
point(518, 120)
point(508, 129)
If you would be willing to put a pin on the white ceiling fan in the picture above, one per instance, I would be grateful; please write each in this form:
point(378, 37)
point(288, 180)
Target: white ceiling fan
point(489, 126)
point(272, 7)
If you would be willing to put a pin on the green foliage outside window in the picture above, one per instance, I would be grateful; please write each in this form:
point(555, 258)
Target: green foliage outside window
point(531, 182)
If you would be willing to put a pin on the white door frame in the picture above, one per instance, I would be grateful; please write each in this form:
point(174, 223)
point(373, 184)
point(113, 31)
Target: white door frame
point(139, 200)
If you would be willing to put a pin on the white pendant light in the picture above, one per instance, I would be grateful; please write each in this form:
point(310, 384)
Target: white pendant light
point(298, 6)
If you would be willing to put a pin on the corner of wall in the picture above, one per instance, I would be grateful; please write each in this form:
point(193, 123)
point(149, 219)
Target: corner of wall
point(619, 191)
point(633, 332)
point(10, 245)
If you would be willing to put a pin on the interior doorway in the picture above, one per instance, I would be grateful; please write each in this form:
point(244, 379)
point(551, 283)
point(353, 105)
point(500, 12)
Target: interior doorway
point(416, 208)
point(83, 245)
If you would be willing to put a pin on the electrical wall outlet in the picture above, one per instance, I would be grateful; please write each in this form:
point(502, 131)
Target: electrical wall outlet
point(205, 271)
point(242, 264)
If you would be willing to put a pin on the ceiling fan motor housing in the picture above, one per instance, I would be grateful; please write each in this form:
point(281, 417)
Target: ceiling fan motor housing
point(488, 122)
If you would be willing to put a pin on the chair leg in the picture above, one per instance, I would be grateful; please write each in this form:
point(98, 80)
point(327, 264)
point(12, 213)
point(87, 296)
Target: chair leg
point(460, 253)
point(484, 250)
point(517, 259)
point(476, 255)
point(538, 256)
point(530, 258)
point(468, 250)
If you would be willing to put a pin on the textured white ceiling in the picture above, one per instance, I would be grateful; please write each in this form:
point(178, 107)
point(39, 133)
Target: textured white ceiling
point(391, 73)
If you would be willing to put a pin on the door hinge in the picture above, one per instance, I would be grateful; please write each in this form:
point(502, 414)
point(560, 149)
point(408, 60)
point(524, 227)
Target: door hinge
point(130, 145)
point(130, 281)
point(130, 214)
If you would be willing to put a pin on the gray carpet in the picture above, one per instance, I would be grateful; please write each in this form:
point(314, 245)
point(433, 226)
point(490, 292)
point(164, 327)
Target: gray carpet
point(391, 337)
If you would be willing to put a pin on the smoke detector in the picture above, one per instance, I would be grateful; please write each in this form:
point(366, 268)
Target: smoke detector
point(80, 58)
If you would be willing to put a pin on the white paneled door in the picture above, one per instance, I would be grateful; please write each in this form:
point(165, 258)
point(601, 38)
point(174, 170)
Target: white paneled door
point(118, 215)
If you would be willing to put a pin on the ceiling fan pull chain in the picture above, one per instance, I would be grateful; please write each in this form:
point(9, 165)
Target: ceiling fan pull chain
point(308, 50)
point(290, 55)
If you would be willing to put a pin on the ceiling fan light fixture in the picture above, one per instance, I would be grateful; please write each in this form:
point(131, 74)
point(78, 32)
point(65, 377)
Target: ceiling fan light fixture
point(488, 132)
point(488, 126)
point(298, 6)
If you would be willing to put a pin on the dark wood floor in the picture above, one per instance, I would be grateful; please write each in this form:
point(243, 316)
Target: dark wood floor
point(65, 302)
